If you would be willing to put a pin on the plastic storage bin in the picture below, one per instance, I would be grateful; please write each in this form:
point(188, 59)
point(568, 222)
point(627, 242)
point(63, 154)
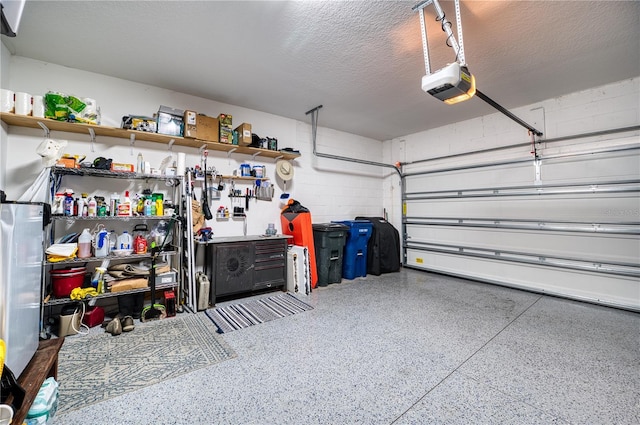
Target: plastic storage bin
point(329, 239)
point(299, 226)
point(354, 263)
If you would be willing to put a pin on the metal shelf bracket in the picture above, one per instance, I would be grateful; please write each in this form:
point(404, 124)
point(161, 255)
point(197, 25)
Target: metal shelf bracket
point(132, 142)
point(92, 133)
point(47, 132)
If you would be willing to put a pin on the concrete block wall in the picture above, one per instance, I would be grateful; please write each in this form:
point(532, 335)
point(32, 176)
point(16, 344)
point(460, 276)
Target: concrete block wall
point(611, 106)
point(331, 189)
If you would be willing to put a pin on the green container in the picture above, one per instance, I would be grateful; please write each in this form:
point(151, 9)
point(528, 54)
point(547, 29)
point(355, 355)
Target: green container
point(328, 241)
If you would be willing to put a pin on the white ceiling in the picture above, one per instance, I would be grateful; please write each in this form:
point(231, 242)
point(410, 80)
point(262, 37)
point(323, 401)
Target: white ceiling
point(362, 60)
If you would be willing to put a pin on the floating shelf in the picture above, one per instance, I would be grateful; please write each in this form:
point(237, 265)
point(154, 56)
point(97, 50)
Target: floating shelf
point(100, 130)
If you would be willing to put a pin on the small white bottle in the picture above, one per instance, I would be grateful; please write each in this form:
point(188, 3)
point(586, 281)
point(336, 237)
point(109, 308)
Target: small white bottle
point(84, 244)
point(140, 167)
point(93, 207)
point(81, 204)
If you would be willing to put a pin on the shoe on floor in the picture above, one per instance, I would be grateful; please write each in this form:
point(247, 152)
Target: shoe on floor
point(127, 324)
point(114, 327)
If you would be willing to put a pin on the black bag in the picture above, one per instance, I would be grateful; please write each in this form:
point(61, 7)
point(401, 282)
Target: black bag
point(9, 385)
point(383, 248)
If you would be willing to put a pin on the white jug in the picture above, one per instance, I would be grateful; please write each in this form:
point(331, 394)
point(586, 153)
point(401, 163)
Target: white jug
point(102, 243)
point(124, 241)
point(84, 244)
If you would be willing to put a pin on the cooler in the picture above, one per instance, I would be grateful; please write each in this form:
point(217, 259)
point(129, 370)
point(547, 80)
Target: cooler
point(299, 226)
point(354, 263)
point(329, 241)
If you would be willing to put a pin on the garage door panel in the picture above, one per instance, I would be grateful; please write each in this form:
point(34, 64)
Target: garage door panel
point(609, 248)
point(611, 290)
point(603, 208)
point(575, 231)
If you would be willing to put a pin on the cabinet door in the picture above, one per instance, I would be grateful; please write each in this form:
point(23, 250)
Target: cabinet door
point(270, 264)
point(233, 265)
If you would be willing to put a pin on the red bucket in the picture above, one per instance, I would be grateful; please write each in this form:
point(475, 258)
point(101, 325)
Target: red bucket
point(66, 280)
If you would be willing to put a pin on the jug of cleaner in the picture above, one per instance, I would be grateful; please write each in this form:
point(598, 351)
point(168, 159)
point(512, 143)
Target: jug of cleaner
point(102, 243)
point(84, 244)
point(140, 241)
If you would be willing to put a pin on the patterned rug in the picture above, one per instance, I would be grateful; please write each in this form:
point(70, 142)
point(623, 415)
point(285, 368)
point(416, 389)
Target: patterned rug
point(99, 366)
point(239, 316)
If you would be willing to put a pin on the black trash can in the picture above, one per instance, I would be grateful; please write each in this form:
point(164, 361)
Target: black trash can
point(329, 240)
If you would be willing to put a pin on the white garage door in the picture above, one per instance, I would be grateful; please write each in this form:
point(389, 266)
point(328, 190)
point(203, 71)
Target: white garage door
point(567, 224)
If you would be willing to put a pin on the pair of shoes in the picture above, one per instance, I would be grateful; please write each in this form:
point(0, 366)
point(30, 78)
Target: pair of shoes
point(127, 324)
point(114, 327)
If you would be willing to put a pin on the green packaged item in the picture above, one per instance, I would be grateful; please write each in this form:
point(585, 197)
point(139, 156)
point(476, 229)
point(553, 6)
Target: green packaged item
point(75, 105)
point(55, 106)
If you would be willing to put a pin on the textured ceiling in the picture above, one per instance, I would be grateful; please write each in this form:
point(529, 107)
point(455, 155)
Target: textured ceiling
point(362, 60)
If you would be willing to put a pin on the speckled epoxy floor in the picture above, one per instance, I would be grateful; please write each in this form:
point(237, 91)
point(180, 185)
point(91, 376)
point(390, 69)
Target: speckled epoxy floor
point(408, 348)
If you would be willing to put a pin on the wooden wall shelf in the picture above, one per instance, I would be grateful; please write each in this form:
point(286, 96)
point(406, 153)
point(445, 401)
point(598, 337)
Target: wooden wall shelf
point(100, 130)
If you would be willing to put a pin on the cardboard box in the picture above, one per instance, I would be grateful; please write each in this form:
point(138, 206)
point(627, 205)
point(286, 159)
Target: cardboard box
point(200, 127)
point(170, 121)
point(128, 168)
point(225, 120)
point(244, 134)
point(226, 135)
point(66, 163)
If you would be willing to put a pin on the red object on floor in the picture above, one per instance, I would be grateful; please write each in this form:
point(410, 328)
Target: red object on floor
point(94, 316)
point(299, 226)
point(170, 303)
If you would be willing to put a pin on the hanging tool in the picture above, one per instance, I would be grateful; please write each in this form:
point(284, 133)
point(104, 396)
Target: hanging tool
point(205, 200)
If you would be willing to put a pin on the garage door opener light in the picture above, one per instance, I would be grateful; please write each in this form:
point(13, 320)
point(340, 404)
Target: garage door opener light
point(453, 83)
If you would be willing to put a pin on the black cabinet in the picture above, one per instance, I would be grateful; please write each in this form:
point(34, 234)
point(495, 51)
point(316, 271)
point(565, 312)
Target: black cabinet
point(244, 267)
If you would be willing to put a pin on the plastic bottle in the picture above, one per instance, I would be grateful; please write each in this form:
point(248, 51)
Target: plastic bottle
point(113, 240)
point(97, 281)
point(81, 205)
point(127, 201)
point(84, 244)
point(140, 244)
point(140, 166)
point(124, 241)
point(68, 203)
point(102, 244)
point(124, 207)
point(113, 204)
point(93, 207)
point(147, 206)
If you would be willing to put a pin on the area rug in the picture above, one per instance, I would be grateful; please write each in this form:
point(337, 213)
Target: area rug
point(99, 366)
point(253, 312)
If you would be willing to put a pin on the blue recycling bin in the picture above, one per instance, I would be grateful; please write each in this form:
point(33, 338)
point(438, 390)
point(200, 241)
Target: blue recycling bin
point(354, 259)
